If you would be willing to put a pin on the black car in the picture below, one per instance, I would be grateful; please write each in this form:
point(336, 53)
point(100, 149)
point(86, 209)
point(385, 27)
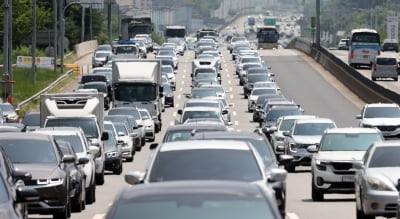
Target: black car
point(31, 121)
point(264, 148)
point(390, 45)
point(132, 126)
point(270, 119)
point(113, 152)
point(93, 77)
point(77, 176)
point(168, 95)
point(39, 155)
point(13, 194)
point(101, 87)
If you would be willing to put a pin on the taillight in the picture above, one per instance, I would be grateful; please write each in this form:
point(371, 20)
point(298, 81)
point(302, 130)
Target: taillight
point(374, 67)
point(379, 53)
point(352, 54)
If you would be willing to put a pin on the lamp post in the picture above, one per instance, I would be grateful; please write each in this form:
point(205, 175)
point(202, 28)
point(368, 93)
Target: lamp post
point(318, 24)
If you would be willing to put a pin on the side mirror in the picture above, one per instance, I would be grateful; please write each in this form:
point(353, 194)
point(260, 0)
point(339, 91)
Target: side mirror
point(93, 150)
point(140, 125)
point(224, 111)
point(26, 194)
point(133, 178)
point(358, 165)
point(286, 133)
point(277, 175)
point(121, 134)
point(180, 112)
point(285, 159)
point(21, 175)
point(358, 117)
point(83, 160)
point(273, 129)
point(153, 146)
point(68, 159)
point(104, 136)
point(312, 149)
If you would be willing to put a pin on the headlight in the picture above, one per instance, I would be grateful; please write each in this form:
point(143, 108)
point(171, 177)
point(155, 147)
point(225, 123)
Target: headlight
point(50, 181)
point(293, 147)
point(12, 117)
point(111, 154)
point(367, 126)
point(321, 165)
point(377, 184)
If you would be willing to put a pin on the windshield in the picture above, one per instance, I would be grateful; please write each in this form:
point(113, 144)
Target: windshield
point(245, 60)
point(268, 36)
point(130, 112)
point(205, 104)
point(121, 128)
point(312, 129)
point(88, 125)
point(178, 32)
point(74, 140)
point(364, 37)
point(205, 164)
point(135, 92)
point(256, 78)
point(203, 93)
point(258, 92)
point(385, 157)
point(29, 151)
point(125, 50)
point(199, 115)
point(31, 120)
point(286, 124)
point(195, 206)
point(273, 115)
point(382, 112)
point(348, 141)
point(99, 87)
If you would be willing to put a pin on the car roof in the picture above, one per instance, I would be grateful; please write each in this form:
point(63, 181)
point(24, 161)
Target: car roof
point(204, 144)
point(314, 120)
point(234, 135)
point(193, 126)
point(351, 130)
point(381, 105)
point(201, 108)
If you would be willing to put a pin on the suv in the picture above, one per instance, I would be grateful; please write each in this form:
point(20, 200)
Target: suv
point(384, 67)
point(384, 116)
point(343, 44)
point(332, 164)
point(390, 45)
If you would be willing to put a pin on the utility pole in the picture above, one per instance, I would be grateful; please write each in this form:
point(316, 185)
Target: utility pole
point(33, 45)
point(318, 23)
point(109, 24)
point(6, 45)
point(55, 30)
point(83, 25)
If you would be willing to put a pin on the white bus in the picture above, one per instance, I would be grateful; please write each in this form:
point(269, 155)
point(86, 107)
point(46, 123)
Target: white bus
point(364, 46)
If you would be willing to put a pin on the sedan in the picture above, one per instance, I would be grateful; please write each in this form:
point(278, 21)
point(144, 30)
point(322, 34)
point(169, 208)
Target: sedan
point(195, 199)
point(376, 181)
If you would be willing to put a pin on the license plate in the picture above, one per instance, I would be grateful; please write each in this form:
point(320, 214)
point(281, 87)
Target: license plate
point(348, 178)
point(365, 57)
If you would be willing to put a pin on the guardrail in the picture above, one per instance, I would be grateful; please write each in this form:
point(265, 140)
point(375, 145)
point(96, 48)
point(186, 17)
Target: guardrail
point(367, 90)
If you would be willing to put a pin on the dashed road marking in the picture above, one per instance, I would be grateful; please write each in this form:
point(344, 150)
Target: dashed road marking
point(172, 123)
point(231, 96)
point(182, 82)
point(236, 123)
point(98, 216)
point(179, 97)
point(230, 89)
point(234, 113)
point(181, 89)
point(229, 82)
point(177, 105)
point(183, 76)
point(227, 75)
point(174, 114)
point(292, 215)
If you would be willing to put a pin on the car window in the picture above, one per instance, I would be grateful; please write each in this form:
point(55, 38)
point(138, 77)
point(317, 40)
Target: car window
point(312, 128)
point(88, 126)
point(386, 61)
point(382, 112)
point(199, 115)
point(74, 140)
point(205, 164)
point(29, 151)
point(3, 191)
point(31, 120)
point(385, 157)
point(348, 141)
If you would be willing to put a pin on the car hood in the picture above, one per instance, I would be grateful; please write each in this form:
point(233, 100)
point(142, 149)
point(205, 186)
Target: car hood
point(306, 139)
point(339, 155)
point(41, 171)
point(381, 121)
point(386, 174)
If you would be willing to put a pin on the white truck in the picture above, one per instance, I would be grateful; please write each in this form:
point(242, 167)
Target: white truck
point(84, 110)
point(137, 83)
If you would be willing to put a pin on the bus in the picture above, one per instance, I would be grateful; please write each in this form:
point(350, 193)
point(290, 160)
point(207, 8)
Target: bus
point(174, 32)
point(364, 46)
point(267, 37)
point(206, 32)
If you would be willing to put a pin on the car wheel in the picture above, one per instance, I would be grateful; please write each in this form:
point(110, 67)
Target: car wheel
point(373, 78)
point(143, 142)
point(100, 178)
point(290, 168)
point(316, 195)
point(395, 78)
point(78, 203)
point(130, 159)
point(91, 194)
point(119, 170)
point(138, 148)
point(360, 212)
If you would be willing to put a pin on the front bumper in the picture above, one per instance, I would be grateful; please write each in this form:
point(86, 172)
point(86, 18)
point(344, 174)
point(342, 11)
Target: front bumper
point(380, 203)
point(53, 199)
point(301, 157)
point(113, 163)
point(334, 177)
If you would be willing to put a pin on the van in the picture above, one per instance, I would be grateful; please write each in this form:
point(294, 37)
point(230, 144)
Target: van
point(384, 67)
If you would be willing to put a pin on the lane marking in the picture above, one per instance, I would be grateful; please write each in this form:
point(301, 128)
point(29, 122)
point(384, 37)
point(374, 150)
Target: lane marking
point(231, 96)
point(229, 82)
point(230, 89)
point(228, 75)
point(179, 97)
point(234, 113)
point(171, 123)
point(183, 76)
point(177, 105)
point(236, 123)
point(292, 215)
point(174, 114)
point(181, 89)
point(98, 216)
point(182, 82)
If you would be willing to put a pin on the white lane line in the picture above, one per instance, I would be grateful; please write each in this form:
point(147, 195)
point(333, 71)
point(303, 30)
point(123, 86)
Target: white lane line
point(177, 105)
point(230, 89)
point(179, 97)
point(98, 216)
point(227, 75)
point(236, 123)
point(181, 89)
point(183, 76)
point(174, 114)
point(172, 123)
point(292, 215)
point(184, 70)
point(234, 113)
point(229, 82)
point(231, 96)
point(226, 70)
point(182, 82)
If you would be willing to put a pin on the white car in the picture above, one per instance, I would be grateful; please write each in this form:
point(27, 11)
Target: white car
point(251, 105)
point(126, 141)
point(148, 124)
point(169, 71)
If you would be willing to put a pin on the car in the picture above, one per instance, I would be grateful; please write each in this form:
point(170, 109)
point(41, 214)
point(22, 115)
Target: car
point(169, 71)
point(184, 199)
point(113, 154)
point(246, 59)
point(39, 155)
point(209, 102)
point(134, 112)
point(101, 87)
point(303, 134)
point(182, 132)
point(385, 67)
point(343, 44)
point(202, 113)
point(269, 120)
point(82, 149)
point(31, 120)
point(168, 95)
point(9, 112)
point(126, 141)
point(219, 89)
point(259, 79)
point(268, 104)
point(376, 181)
point(261, 144)
point(168, 54)
point(201, 93)
point(127, 51)
point(93, 77)
point(332, 164)
point(243, 71)
point(383, 116)
point(133, 129)
point(255, 93)
point(14, 195)
point(100, 57)
point(390, 45)
point(77, 176)
point(104, 47)
point(148, 123)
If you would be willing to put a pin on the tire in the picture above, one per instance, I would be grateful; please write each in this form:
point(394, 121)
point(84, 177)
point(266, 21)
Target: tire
point(119, 170)
point(360, 212)
point(138, 148)
point(100, 178)
point(130, 159)
point(91, 194)
point(66, 213)
point(290, 168)
point(395, 78)
point(316, 195)
point(373, 78)
point(78, 203)
point(143, 142)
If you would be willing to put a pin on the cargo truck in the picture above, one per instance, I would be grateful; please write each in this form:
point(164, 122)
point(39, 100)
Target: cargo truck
point(78, 109)
point(137, 83)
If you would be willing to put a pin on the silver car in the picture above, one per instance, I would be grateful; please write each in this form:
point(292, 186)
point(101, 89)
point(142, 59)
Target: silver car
point(332, 164)
point(384, 67)
point(376, 180)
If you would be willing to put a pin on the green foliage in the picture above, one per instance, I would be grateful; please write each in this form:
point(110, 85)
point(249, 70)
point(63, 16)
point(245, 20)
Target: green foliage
point(25, 51)
point(157, 38)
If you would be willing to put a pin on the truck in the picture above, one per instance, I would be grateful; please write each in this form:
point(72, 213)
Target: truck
point(78, 109)
point(132, 26)
point(137, 83)
point(267, 37)
point(251, 21)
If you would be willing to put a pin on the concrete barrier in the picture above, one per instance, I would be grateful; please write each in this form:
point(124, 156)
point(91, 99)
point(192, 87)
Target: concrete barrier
point(85, 48)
